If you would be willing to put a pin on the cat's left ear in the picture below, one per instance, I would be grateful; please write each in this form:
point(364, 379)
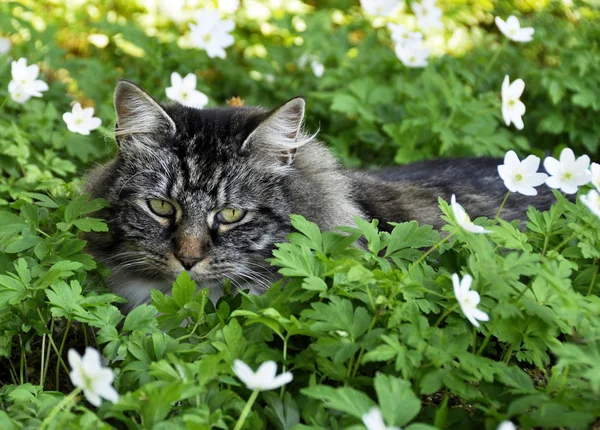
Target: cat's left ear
point(280, 133)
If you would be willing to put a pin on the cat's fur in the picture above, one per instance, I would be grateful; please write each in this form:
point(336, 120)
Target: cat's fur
point(252, 159)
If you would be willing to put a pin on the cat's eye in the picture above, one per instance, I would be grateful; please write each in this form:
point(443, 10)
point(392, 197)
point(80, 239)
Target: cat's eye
point(230, 216)
point(161, 207)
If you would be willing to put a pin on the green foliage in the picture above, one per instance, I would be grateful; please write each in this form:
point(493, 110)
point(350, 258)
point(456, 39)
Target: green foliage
point(363, 317)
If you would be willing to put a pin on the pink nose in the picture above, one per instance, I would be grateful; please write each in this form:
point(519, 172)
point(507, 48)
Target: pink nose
point(188, 262)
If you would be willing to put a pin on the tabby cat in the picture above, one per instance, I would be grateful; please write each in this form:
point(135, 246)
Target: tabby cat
point(211, 190)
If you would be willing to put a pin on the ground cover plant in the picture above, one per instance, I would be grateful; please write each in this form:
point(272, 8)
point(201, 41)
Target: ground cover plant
point(486, 324)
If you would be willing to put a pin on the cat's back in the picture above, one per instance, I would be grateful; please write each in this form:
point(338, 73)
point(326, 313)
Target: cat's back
point(411, 191)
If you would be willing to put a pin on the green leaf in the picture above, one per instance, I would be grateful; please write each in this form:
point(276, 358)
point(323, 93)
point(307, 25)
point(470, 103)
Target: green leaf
point(345, 399)
point(12, 290)
point(141, 318)
point(184, 289)
point(391, 392)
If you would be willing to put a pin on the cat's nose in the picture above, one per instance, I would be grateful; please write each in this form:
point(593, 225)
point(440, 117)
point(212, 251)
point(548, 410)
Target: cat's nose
point(188, 262)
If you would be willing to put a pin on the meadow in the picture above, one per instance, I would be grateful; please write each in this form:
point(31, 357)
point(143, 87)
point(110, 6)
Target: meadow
point(486, 324)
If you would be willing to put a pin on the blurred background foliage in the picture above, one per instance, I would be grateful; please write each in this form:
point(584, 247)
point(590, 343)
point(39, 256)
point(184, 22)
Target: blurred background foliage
point(368, 106)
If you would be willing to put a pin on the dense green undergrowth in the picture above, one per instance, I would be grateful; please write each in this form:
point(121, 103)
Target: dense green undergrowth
point(357, 326)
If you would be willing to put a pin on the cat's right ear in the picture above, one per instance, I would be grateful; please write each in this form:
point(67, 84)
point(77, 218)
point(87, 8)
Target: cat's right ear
point(139, 117)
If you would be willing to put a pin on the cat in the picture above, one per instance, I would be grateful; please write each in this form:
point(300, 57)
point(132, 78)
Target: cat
point(210, 191)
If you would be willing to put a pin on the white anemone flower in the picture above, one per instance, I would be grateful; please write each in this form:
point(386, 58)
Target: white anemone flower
point(592, 201)
point(569, 173)
point(4, 45)
point(228, 6)
point(211, 33)
point(428, 14)
point(506, 425)
point(80, 120)
point(521, 176)
point(183, 90)
point(463, 219)
point(25, 83)
point(401, 35)
point(264, 378)
point(412, 54)
point(380, 7)
point(595, 169)
point(511, 28)
point(373, 420)
point(512, 107)
point(468, 300)
point(317, 67)
point(95, 380)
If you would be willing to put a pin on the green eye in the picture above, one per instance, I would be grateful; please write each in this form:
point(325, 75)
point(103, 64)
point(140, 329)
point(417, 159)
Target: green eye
point(161, 207)
point(230, 216)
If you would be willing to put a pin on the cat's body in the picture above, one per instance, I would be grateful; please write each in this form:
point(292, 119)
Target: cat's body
point(210, 191)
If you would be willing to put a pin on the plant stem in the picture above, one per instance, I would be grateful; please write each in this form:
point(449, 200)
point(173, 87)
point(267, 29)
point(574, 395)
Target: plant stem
point(246, 410)
point(430, 250)
point(60, 352)
point(445, 314)
point(493, 59)
point(54, 346)
point(42, 378)
point(508, 353)
point(573, 236)
point(486, 339)
point(589, 291)
point(58, 407)
point(501, 207)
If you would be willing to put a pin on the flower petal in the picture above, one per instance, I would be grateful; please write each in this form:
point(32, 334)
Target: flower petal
point(552, 165)
point(244, 373)
point(266, 371)
point(516, 88)
point(567, 157)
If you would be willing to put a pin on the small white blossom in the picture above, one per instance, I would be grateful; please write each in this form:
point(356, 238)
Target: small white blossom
point(521, 176)
point(595, 168)
point(89, 374)
point(80, 120)
point(373, 420)
point(568, 173)
point(463, 220)
point(4, 45)
point(211, 33)
point(592, 201)
point(317, 68)
point(401, 35)
point(511, 28)
point(228, 6)
point(379, 7)
point(468, 300)
point(512, 107)
point(428, 14)
point(506, 425)
point(183, 90)
point(25, 83)
point(264, 379)
point(412, 54)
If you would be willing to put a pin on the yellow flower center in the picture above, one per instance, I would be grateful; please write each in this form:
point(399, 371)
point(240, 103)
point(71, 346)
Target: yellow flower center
point(207, 37)
point(567, 176)
point(519, 177)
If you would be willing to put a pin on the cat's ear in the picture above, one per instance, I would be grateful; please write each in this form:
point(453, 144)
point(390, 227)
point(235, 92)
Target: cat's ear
point(139, 116)
point(280, 133)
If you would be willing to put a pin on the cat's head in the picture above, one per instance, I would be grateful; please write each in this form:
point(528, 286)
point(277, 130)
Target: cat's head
point(202, 190)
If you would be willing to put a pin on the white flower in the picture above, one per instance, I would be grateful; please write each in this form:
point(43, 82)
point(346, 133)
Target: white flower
point(317, 68)
point(468, 300)
point(80, 120)
point(513, 108)
point(412, 53)
point(511, 28)
point(228, 6)
point(24, 83)
point(400, 34)
point(184, 91)
point(89, 374)
point(521, 176)
point(428, 14)
point(211, 33)
point(374, 420)
point(4, 45)
point(506, 425)
point(596, 175)
point(379, 7)
point(592, 201)
point(264, 378)
point(568, 173)
point(462, 218)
